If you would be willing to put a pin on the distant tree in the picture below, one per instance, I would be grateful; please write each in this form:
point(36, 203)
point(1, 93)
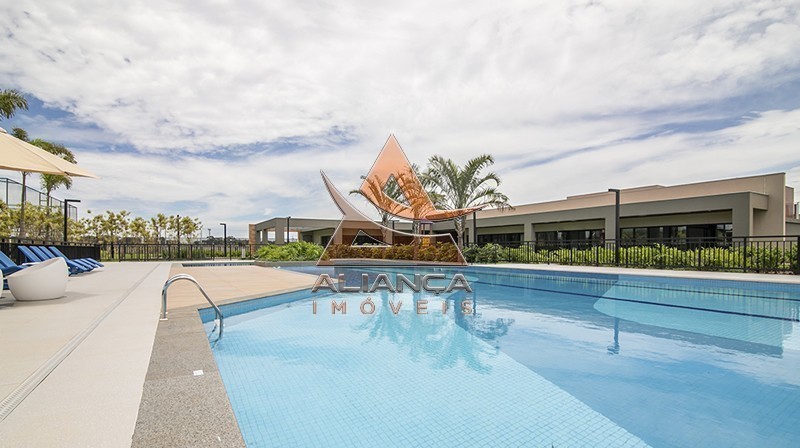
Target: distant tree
point(10, 102)
point(115, 225)
point(138, 228)
point(183, 227)
point(159, 224)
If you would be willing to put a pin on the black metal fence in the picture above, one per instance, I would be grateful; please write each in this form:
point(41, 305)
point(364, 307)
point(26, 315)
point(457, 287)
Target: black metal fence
point(742, 254)
point(71, 250)
point(175, 251)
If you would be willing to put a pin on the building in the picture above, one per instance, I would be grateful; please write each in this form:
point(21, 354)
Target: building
point(747, 206)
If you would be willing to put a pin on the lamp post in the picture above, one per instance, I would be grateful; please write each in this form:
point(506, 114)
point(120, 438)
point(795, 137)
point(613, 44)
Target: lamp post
point(288, 220)
point(224, 238)
point(617, 230)
point(66, 214)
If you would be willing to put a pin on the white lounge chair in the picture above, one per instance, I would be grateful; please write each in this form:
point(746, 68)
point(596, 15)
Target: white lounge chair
point(41, 281)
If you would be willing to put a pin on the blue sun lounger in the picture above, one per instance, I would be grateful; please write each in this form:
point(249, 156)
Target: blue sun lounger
point(50, 254)
point(8, 266)
point(91, 261)
point(46, 255)
point(34, 257)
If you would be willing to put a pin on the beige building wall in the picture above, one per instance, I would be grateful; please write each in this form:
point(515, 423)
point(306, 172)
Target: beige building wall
point(755, 206)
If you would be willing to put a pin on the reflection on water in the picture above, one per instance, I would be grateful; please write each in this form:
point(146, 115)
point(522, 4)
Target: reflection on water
point(443, 339)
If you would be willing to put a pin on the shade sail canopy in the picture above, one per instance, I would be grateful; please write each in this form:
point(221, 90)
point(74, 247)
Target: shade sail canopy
point(18, 155)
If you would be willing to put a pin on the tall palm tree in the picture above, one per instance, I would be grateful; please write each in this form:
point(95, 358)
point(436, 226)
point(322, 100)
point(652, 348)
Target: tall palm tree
point(10, 101)
point(393, 192)
point(22, 134)
point(52, 182)
point(464, 187)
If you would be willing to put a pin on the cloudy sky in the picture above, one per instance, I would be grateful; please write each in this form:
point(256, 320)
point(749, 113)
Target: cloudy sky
point(228, 110)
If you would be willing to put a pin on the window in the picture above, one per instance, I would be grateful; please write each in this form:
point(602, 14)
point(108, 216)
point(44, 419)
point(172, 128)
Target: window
point(570, 236)
point(325, 239)
point(547, 236)
point(510, 239)
point(672, 234)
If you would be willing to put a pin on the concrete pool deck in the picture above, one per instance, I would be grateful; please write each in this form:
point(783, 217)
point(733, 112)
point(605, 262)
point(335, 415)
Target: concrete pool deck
point(73, 369)
point(97, 368)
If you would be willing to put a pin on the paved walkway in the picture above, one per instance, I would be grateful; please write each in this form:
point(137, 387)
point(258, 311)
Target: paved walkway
point(72, 370)
point(78, 363)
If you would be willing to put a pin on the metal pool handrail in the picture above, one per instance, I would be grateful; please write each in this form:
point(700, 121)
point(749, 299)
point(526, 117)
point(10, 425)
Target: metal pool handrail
point(188, 277)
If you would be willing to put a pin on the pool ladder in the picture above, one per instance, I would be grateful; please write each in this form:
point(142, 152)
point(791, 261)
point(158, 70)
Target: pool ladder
point(188, 277)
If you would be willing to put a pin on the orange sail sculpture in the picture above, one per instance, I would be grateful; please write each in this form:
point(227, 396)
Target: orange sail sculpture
point(359, 240)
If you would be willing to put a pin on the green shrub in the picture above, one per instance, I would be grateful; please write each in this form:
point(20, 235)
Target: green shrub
point(753, 258)
point(488, 253)
point(295, 251)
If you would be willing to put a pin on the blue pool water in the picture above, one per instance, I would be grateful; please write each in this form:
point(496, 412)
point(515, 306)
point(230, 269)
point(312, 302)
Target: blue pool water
point(544, 359)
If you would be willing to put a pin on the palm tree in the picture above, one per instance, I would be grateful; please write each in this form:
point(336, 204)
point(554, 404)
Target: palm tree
point(22, 134)
point(10, 101)
point(52, 182)
point(393, 192)
point(464, 187)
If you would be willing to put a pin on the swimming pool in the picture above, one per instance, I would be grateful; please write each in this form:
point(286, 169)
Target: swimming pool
point(541, 359)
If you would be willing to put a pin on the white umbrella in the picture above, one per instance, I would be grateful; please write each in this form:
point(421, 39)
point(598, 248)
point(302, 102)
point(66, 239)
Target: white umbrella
point(18, 155)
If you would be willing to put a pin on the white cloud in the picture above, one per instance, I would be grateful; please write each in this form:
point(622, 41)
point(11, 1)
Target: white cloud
point(763, 144)
point(205, 75)
point(525, 81)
